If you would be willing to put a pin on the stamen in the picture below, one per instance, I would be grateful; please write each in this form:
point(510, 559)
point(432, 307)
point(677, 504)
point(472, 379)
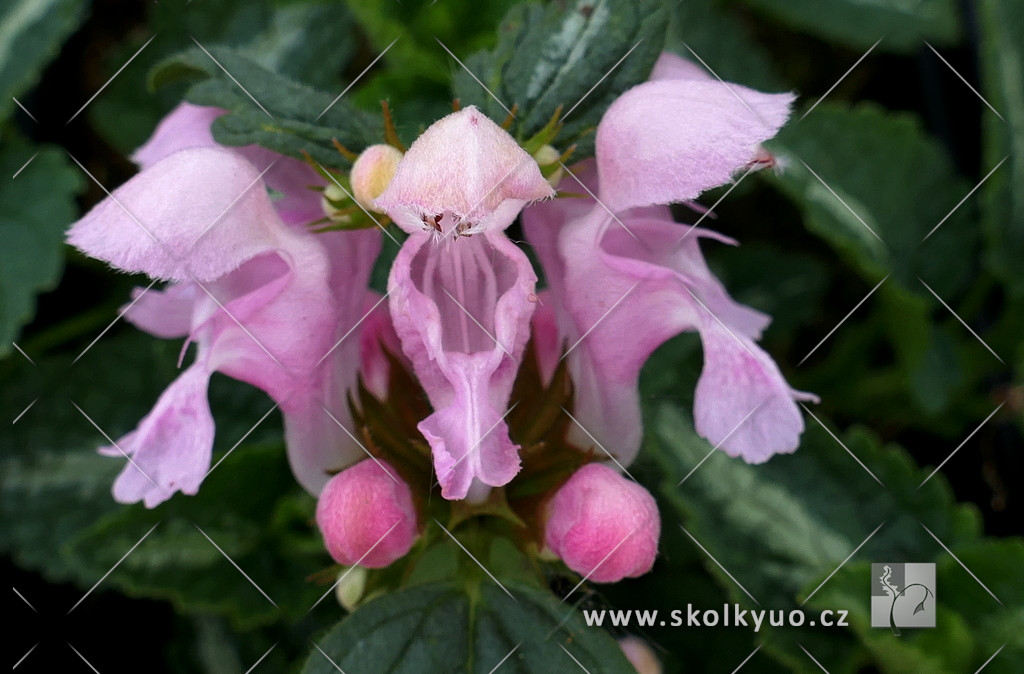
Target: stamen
point(390, 132)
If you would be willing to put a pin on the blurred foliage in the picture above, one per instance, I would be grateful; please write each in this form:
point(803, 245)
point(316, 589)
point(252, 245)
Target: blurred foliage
point(31, 34)
point(34, 213)
point(309, 40)
point(1002, 54)
point(904, 382)
point(899, 25)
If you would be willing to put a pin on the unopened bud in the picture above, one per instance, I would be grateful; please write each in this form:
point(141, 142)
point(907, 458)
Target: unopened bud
point(372, 173)
point(546, 157)
point(334, 195)
point(366, 515)
point(350, 587)
point(640, 655)
point(603, 526)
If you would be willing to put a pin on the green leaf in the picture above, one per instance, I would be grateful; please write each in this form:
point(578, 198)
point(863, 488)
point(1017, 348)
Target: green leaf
point(286, 39)
point(785, 284)
point(894, 180)
point(53, 484)
point(36, 206)
point(783, 527)
point(444, 627)
point(857, 173)
point(800, 515)
point(293, 42)
point(1002, 53)
point(997, 563)
point(31, 33)
point(859, 23)
point(411, 31)
point(970, 625)
point(564, 55)
point(249, 512)
point(719, 38)
point(269, 109)
point(54, 487)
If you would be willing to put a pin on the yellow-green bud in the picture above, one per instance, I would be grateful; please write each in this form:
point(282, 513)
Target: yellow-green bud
point(350, 587)
point(547, 156)
point(334, 193)
point(372, 172)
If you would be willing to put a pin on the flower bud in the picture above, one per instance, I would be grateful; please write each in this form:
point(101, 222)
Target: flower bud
point(640, 655)
point(366, 515)
point(603, 526)
point(333, 196)
point(372, 173)
point(546, 157)
point(351, 585)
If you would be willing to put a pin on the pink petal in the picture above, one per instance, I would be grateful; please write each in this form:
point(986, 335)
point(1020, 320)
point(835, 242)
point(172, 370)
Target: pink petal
point(196, 214)
point(378, 341)
point(461, 310)
point(318, 423)
point(547, 338)
point(670, 140)
point(274, 328)
point(319, 432)
point(602, 525)
point(297, 201)
point(612, 283)
point(163, 313)
point(464, 172)
point(606, 298)
point(170, 449)
point(671, 66)
point(275, 320)
point(742, 403)
point(186, 126)
point(316, 437)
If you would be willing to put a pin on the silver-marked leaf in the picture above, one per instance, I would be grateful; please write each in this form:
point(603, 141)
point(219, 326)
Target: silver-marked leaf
point(269, 109)
point(579, 55)
point(445, 627)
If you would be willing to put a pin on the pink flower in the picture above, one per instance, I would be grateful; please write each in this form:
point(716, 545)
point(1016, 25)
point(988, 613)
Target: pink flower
point(624, 277)
point(602, 525)
point(264, 300)
point(366, 515)
point(460, 291)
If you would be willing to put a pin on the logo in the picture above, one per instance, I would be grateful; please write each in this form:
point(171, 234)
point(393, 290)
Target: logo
point(902, 595)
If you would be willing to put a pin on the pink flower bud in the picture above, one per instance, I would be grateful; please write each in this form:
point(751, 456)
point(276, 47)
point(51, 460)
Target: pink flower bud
point(603, 525)
point(366, 515)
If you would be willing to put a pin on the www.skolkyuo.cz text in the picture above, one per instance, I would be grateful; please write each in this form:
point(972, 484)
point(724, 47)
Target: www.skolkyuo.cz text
point(730, 615)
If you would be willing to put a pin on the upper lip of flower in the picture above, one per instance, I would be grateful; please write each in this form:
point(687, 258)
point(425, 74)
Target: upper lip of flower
point(465, 172)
